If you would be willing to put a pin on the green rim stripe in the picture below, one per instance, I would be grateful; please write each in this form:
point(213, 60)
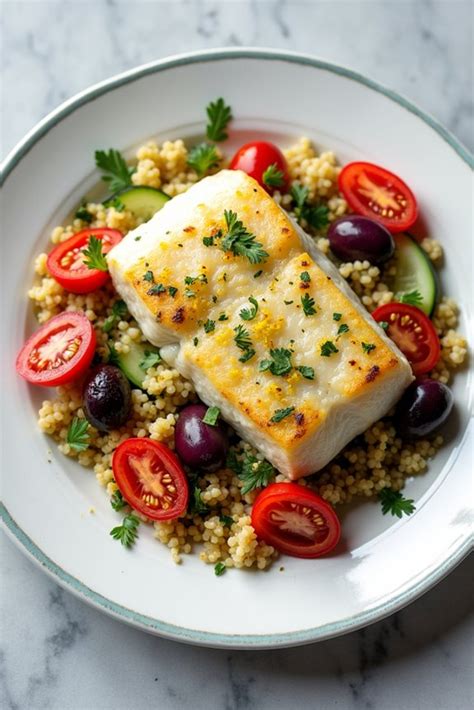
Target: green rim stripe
point(74, 585)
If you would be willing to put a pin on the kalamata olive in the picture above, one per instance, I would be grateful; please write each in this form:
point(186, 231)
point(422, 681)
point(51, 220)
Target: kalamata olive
point(356, 237)
point(197, 444)
point(107, 397)
point(425, 405)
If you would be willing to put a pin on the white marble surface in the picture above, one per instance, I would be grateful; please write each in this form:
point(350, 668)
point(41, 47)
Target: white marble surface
point(55, 651)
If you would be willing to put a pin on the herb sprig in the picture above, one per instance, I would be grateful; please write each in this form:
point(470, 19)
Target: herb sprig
point(119, 311)
point(279, 363)
point(117, 173)
point(202, 158)
point(273, 176)
point(413, 298)
point(150, 359)
point(281, 414)
point(94, 256)
point(219, 115)
point(249, 313)
point(314, 215)
point(254, 472)
point(77, 435)
point(117, 501)
point(127, 532)
point(395, 503)
point(240, 241)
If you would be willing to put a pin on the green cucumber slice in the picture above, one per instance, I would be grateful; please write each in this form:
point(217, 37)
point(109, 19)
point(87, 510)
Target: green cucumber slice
point(414, 272)
point(144, 202)
point(132, 363)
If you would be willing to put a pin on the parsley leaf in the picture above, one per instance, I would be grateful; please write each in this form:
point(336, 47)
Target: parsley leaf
point(249, 313)
point(280, 363)
point(148, 276)
point(383, 324)
point(315, 215)
point(257, 274)
point(307, 372)
point(77, 434)
point(196, 503)
point(242, 338)
point(343, 328)
point(240, 241)
point(219, 569)
point(172, 290)
point(308, 305)
point(156, 289)
point(94, 257)
point(117, 172)
point(413, 298)
point(395, 503)
point(248, 354)
point(328, 348)
point(218, 115)
point(226, 521)
point(127, 532)
point(368, 347)
point(336, 316)
point(151, 359)
point(281, 414)
point(117, 502)
point(305, 277)
point(119, 311)
point(223, 317)
point(84, 214)
point(254, 473)
point(273, 176)
point(211, 416)
point(209, 326)
point(202, 158)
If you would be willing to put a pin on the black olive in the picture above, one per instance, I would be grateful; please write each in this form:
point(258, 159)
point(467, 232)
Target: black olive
point(107, 397)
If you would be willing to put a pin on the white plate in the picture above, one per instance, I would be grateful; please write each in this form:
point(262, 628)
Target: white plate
point(383, 563)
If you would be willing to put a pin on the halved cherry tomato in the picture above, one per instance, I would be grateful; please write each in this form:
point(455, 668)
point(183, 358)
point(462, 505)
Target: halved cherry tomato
point(66, 261)
point(150, 478)
point(413, 332)
point(256, 158)
point(59, 352)
point(295, 520)
point(375, 192)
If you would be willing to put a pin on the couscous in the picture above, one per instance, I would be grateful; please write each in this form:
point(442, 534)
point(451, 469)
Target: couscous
point(218, 519)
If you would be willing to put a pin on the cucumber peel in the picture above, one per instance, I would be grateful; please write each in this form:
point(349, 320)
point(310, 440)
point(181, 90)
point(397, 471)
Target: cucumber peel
point(136, 362)
point(414, 273)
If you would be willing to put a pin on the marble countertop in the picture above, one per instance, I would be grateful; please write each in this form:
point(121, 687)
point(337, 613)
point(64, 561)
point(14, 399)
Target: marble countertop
point(57, 652)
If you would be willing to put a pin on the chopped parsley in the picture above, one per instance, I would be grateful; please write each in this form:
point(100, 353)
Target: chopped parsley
point(328, 348)
point(307, 372)
point(308, 305)
point(94, 257)
point(226, 521)
point(273, 176)
point(305, 277)
point(150, 359)
point(279, 364)
point(336, 316)
point(202, 158)
point(195, 342)
point(119, 311)
point(242, 338)
point(84, 214)
point(117, 172)
point(190, 280)
point(211, 416)
point(240, 241)
point(218, 115)
point(219, 569)
point(413, 298)
point(248, 354)
point(209, 326)
point(257, 274)
point(249, 313)
point(127, 532)
point(156, 289)
point(223, 317)
point(383, 324)
point(314, 215)
point(395, 503)
point(254, 472)
point(288, 303)
point(148, 276)
point(172, 290)
point(343, 328)
point(368, 347)
point(196, 503)
point(208, 241)
point(281, 414)
point(117, 502)
point(189, 293)
point(78, 435)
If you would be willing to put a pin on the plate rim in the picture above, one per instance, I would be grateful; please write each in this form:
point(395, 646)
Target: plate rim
point(68, 581)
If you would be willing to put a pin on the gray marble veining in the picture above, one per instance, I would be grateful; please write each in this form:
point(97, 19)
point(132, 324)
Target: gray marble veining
point(58, 653)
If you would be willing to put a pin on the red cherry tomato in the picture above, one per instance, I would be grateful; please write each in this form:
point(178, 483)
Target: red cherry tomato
point(413, 332)
point(264, 162)
point(295, 520)
point(375, 192)
point(150, 478)
point(59, 352)
point(66, 261)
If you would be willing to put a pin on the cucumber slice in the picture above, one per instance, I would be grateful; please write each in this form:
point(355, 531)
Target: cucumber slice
point(133, 363)
point(414, 272)
point(142, 201)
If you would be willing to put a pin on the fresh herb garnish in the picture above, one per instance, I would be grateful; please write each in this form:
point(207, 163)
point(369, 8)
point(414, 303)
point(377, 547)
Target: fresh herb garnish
point(78, 435)
point(395, 503)
point(119, 311)
point(209, 326)
point(383, 324)
point(226, 521)
point(328, 348)
point(242, 338)
point(172, 290)
point(336, 316)
point(156, 289)
point(253, 472)
point(189, 293)
point(211, 416)
point(208, 241)
point(343, 328)
point(288, 303)
point(219, 569)
point(196, 503)
point(195, 342)
point(257, 274)
point(127, 532)
point(116, 203)
point(113, 357)
point(218, 115)
point(84, 214)
point(305, 277)
point(148, 276)
point(413, 298)
point(117, 172)
point(273, 176)
point(248, 354)
point(117, 502)
point(240, 241)
point(281, 414)
point(94, 257)
point(223, 317)
point(150, 360)
point(190, 280)
point(249, 313)
point(279, 364)
point(307, 372)
point(368, 347)
point(202, 158)
point(308, 305)
point(315, 215)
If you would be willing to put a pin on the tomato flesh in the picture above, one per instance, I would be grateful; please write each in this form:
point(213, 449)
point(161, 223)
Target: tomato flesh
point(375, 192)
point(254, 159)
point(150, 478)
point(66, 261)
point(413, 332)
point(59, 352)
point(295, 520)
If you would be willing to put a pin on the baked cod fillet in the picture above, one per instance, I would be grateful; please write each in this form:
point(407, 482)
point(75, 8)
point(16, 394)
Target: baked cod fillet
point(242, 303)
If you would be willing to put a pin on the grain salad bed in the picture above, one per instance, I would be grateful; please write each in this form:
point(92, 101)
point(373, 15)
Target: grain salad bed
point(378, 459)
